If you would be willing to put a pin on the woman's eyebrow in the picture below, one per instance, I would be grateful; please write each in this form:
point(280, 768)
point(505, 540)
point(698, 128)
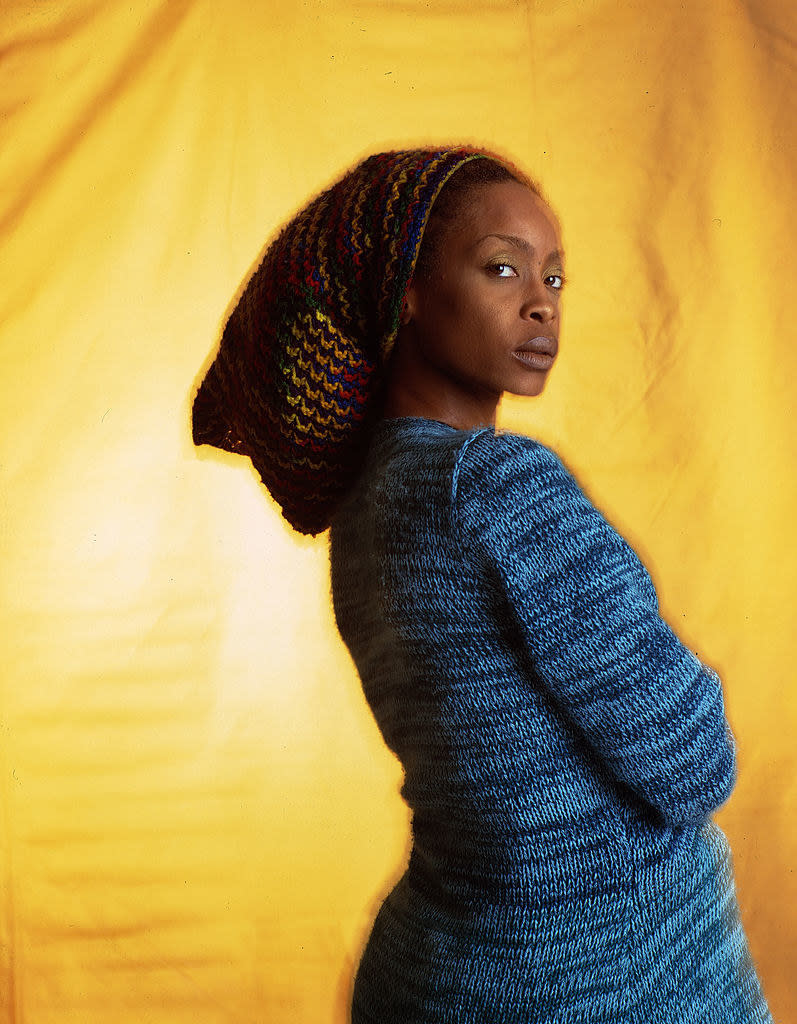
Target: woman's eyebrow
point(521, 243)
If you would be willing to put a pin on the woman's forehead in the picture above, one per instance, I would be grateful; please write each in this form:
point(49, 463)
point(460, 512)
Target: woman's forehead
point(508, 211)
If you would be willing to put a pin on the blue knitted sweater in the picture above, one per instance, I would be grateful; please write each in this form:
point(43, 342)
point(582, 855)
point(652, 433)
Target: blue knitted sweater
point(562, 751)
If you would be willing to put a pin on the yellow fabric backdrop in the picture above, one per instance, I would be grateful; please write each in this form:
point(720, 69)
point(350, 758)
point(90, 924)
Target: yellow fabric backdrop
point(198, 816)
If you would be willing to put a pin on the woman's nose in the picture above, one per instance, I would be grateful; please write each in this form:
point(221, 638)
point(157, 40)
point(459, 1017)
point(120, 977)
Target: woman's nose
point(539, 306)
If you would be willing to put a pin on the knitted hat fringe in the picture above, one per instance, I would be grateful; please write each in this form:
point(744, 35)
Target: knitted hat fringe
point(296, 382)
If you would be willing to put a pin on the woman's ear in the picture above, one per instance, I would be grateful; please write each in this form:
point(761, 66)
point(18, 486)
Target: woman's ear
point(408, 305)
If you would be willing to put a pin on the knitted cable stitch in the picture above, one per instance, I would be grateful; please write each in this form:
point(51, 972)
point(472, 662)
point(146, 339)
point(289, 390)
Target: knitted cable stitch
point(295, 381)
point(562, 751)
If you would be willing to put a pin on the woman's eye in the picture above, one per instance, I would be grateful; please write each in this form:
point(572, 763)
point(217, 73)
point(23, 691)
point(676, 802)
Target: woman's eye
point(503, 270)
point(555, 281)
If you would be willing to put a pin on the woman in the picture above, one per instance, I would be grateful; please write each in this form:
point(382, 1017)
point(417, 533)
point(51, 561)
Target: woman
point(562, 749)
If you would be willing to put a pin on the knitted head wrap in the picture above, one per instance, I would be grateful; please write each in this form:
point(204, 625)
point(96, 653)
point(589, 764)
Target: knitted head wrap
point(295, 382)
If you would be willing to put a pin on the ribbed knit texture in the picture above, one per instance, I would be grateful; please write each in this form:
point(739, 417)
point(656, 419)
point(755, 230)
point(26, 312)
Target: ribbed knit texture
point(562, 751)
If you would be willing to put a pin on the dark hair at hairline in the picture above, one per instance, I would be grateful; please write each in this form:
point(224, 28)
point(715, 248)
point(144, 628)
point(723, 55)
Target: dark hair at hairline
point(452, 197)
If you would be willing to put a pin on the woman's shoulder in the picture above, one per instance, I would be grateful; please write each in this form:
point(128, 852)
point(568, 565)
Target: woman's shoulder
point(494, 463)
point(474, 456)
point(508, 488)
point(481, 472)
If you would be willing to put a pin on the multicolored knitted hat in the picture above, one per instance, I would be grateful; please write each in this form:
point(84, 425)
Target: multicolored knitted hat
point(294, 383)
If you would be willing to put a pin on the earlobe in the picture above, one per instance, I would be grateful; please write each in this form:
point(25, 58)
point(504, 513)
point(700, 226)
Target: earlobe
point(407, 307)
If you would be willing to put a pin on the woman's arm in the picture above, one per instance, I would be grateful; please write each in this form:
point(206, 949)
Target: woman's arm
point(588, 611)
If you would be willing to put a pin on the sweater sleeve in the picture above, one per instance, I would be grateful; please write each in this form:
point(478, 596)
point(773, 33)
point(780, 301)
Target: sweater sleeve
point(588, 613)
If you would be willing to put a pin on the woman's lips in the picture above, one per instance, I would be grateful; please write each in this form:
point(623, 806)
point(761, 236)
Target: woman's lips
point(538, 354)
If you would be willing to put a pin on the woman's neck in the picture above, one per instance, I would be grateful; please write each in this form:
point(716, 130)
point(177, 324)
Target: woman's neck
point(425, 392)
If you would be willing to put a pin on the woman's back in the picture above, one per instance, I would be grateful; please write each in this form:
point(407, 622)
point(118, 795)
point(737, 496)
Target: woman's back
point(549, 874)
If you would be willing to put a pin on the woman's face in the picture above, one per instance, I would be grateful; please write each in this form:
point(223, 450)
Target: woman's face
point(486, 318)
